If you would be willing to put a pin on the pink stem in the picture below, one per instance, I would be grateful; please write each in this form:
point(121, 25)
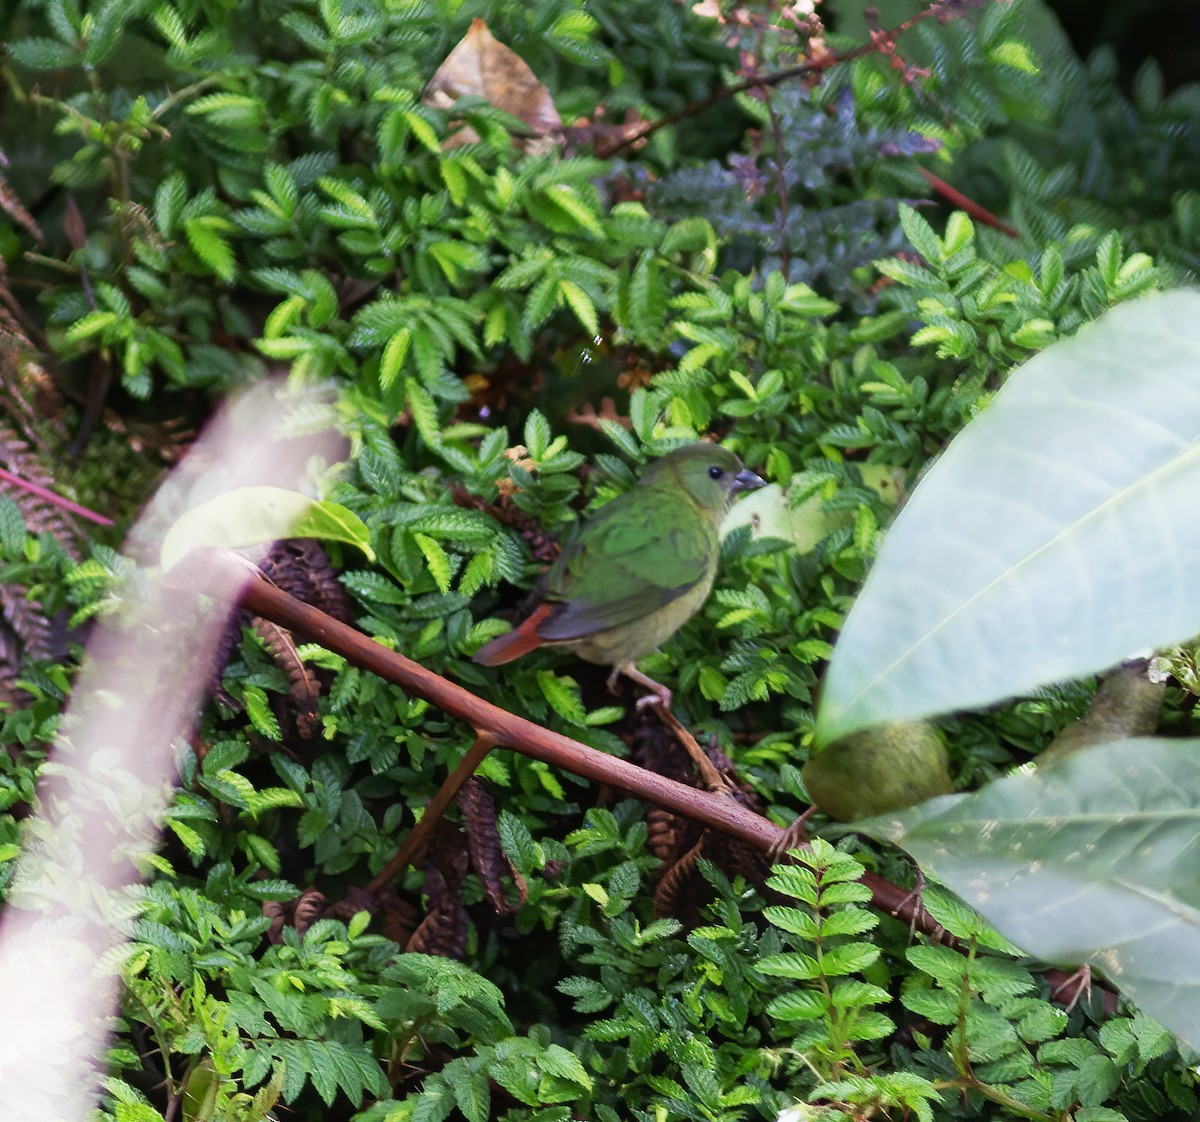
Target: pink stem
point(52, 498)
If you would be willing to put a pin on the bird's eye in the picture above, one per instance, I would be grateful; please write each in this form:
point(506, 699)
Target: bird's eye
point(715, 472)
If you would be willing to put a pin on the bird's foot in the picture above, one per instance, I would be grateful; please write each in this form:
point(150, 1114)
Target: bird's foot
point(659, 695)
point(1081, 980)
point(913, 903)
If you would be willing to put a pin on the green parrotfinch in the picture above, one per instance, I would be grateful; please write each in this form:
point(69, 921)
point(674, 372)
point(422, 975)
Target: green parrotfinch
point(638, 569)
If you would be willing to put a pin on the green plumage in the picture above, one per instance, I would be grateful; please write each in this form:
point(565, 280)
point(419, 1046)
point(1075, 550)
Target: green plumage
point(638, 569)
point(637, 557)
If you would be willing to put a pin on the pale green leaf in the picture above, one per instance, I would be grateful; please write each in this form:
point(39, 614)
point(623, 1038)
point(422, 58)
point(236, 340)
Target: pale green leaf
point(1089, 860)
point(332, 522)
point(769, 515)
point(1045, 543)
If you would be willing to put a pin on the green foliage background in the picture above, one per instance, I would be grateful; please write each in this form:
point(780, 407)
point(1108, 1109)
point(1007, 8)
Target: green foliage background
point(261, 184)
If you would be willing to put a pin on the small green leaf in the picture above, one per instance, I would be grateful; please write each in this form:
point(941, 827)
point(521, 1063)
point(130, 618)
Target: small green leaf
point(207, 238)
point(920, 235)
point(92, 324)
point(1015, 54)
point(562, 695)
point(435, 557)
point(423, 131)
point(581, 304)
point(392, 360)
point(42, 54)
point(960, 233)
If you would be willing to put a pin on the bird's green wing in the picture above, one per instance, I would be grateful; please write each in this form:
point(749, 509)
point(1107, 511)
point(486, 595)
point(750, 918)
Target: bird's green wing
point(634, 556)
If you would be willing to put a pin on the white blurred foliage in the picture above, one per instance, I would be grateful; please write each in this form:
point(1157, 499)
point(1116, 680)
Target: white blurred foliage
point(103, 793)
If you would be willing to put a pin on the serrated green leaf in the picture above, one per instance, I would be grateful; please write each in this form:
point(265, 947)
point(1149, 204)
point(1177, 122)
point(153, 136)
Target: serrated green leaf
point(12, 529)
point(581, 304)
point(438, 562)
point(42, 53)
point(792, 964)
point(798, 1005)
point(207, 238)
point(94, 323)
point(920, 234)
point(231, 110)
point(562, 697)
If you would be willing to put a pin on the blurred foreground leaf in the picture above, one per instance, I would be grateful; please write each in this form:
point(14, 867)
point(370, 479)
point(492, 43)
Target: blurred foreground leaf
point(1045, 543)
point(250, 516)
point(1092, 860)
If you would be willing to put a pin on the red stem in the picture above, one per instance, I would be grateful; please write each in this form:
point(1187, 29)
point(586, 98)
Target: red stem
point(969, 205)
point(53, 499)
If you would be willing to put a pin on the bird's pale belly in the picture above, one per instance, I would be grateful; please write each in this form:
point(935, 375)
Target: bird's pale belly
point(631, 641)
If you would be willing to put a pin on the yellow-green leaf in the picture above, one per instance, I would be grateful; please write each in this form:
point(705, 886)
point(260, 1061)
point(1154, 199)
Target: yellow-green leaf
point(207, 238)
point(392, 360)
point(435, 557)
point(581, 304)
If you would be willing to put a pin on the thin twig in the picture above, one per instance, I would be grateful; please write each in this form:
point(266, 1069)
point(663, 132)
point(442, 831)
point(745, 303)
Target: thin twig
point(418, 836)
point(974, 209)
point(713, 780)
point(880, 40)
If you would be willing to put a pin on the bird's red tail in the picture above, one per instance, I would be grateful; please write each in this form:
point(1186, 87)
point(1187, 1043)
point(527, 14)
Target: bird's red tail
point(514, 644)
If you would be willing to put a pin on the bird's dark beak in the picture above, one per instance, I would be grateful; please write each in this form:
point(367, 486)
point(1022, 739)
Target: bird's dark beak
point(746, 480)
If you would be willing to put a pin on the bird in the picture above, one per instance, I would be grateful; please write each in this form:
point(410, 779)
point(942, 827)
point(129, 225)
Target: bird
point(637, 570)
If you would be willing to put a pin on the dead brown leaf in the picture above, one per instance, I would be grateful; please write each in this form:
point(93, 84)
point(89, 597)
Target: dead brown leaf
point(586, 414)
point(482, 66)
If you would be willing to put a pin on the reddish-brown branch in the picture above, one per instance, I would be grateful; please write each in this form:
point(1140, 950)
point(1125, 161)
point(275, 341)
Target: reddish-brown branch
point(967, 204)
point(211, 571)
point(495, 726)
point(204, 571)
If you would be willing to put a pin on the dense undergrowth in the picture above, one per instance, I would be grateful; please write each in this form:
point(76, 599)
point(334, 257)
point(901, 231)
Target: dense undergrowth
point(200, 192)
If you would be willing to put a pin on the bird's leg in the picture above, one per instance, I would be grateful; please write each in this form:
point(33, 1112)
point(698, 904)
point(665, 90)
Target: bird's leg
point(659, 694)
point(1081, 980)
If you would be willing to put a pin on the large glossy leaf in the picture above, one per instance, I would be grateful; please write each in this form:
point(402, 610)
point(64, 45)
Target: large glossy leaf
point(1055, 536)
point(1091, 860)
